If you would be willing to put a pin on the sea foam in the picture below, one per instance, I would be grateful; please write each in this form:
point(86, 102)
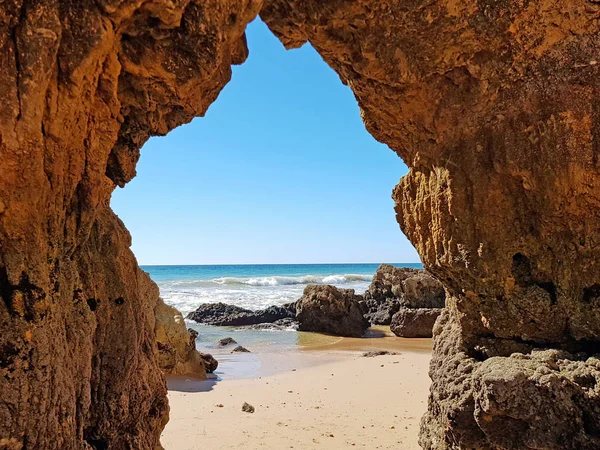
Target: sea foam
point(277, 280)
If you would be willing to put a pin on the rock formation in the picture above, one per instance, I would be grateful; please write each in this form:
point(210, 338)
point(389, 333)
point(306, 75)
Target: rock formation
point(393, 288)
point(493, 106)
point(210, 363)
point(327, 309)
point(414, 322)
point(177, 354)
point(222, 314)
point(83, 85)
point(491, 103)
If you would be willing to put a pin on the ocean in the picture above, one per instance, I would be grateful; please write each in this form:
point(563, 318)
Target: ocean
point(253, 287)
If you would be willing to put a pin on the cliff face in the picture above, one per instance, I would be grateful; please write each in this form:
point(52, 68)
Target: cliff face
point(83, 85)
point(493, 106)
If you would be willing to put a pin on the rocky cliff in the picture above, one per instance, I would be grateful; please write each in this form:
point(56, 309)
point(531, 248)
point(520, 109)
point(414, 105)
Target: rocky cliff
point(491, 103)
point(493, 106)
point(83, 85)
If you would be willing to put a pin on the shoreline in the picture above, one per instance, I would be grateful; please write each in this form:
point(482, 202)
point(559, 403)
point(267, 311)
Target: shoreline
point(325, 395)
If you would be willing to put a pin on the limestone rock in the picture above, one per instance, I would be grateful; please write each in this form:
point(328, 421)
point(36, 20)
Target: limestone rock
point(394, 287)
point(493, 108)
point(522, 401)
point(327, 309)
point(177, 354)
point(83, 85)
point(492, 105)
point(414, 323)
point(210, 363)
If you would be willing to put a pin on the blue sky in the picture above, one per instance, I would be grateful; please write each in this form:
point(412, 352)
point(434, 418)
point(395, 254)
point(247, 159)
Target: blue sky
point(280, 170)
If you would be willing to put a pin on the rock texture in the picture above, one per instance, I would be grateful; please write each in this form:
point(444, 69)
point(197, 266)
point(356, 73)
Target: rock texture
point(414, 322)
point(210, 363)
point(231, 315)
point(394, 287)
point(491, 103)
point(177, 354)
point(83, 85)
point(493, 106)
point(327, 309)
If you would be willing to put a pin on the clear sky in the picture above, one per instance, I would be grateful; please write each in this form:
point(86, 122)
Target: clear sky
point(280, 170)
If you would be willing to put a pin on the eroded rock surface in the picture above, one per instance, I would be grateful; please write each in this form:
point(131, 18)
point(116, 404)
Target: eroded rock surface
point(223, 314)
point(177, 354)
point(414, 322)
point(393, 288)
point(83, 85)
point(492, 105)
point(327, 309)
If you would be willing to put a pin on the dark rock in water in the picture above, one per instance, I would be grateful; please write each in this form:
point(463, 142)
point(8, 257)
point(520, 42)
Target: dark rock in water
point(210, 363)
point(247, 407)
point(281, 324)
point(240, 349)
point(230, 315)
point(378, 353)
point(414, 323)
point(226, 341)
point(327, 309)
point(394, 287)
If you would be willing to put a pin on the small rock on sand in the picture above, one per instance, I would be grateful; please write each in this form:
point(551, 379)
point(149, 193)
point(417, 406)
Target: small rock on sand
point(378, 353)
point(247, 407)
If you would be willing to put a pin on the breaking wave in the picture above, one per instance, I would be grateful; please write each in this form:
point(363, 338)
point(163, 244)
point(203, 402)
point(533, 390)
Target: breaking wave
point(279, 280)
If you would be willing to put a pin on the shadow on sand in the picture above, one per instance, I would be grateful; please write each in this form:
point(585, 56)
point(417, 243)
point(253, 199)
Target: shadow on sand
point(182, 383)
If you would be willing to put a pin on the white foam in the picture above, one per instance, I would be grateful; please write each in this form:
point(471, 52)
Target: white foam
point(252, 293)
point(275, 280)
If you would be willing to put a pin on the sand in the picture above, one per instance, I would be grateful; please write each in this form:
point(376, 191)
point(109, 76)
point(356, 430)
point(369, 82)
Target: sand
point(333, 400)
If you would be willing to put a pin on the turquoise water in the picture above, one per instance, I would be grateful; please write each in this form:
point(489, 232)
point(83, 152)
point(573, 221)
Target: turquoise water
point(252, 287)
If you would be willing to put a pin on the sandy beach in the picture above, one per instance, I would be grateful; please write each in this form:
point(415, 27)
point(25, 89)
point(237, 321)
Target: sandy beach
point(335, 398)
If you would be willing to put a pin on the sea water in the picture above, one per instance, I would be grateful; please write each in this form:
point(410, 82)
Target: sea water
point(253, 287)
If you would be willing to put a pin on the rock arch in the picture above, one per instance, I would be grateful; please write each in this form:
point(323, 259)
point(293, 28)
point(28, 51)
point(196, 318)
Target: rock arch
point(491, 103)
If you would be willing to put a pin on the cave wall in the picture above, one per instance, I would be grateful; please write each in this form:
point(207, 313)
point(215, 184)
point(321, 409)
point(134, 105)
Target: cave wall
point(83, 85)
point(491, 103)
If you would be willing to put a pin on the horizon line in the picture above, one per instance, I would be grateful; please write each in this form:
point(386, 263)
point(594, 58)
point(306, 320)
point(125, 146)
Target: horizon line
point(278, 264)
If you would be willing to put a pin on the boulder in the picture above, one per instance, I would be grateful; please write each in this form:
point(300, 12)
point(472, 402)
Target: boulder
point(380, 312)
point(240, 349)
point(280, 325)
point(177, 354)
point(395, 287)
point(414, 323)
point(210, 363)
point(223, 314)
point(327, 309)
point(226, 341)
point(387, 282)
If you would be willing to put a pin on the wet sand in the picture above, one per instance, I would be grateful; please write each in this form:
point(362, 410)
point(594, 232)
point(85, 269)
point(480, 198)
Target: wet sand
point(326, 395)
